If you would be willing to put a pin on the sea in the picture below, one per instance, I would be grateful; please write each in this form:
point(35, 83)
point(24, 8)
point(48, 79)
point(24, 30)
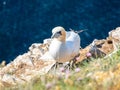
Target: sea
point(24, 22)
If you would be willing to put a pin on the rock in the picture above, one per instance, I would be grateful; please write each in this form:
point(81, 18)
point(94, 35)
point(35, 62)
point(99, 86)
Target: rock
point(11, 80)
point(37, 50)
point(23, 59)
point(107, 46)
point(83, 53)
point(94, 50)
point(103, 47)
point(26, 67)
point(47, 41)
point(3, 63)
point(114, 35)
point(8, 80)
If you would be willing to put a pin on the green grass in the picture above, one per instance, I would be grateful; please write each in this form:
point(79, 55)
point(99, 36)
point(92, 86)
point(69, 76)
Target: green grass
point(94, 74)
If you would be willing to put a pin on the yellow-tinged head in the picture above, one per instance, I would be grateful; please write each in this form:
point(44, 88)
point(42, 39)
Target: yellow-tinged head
point(59, 33)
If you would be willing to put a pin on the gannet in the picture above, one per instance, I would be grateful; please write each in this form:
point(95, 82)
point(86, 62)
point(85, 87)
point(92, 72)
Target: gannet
point(64, 45)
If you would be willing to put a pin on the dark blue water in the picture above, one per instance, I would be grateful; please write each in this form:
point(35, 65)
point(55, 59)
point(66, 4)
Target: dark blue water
point(23, 22)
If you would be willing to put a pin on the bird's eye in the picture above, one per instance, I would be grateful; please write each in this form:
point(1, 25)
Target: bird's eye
point(59, 32)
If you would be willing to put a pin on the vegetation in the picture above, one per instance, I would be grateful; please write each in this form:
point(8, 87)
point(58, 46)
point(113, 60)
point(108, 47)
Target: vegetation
point(92, 74)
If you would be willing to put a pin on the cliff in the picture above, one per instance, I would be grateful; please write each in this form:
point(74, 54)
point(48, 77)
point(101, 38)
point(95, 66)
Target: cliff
point(28, 66)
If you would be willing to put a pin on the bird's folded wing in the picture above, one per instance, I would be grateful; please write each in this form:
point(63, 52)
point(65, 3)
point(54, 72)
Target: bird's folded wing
point(72, 43)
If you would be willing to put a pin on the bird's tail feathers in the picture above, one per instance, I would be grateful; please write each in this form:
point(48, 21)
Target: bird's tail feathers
point(78, 31)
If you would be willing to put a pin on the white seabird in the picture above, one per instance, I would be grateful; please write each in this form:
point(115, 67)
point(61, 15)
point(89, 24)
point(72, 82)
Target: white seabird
point(64, 45)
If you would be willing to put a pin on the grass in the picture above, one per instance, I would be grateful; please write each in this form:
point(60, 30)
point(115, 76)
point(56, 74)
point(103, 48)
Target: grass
point(93, 74)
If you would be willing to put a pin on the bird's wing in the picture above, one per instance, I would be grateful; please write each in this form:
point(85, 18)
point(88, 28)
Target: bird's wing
point(72, 36)
point(68, 34)
point(73, 42)
point(72, 49)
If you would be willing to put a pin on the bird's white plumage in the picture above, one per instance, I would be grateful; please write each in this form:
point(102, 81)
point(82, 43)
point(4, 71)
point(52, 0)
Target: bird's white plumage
point(63, 48)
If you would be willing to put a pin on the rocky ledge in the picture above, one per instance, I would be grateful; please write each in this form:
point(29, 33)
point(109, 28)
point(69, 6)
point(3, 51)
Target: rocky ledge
point(28, 66)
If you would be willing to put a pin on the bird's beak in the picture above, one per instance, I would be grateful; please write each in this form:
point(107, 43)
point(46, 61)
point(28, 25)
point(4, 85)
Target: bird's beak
point(55, 35)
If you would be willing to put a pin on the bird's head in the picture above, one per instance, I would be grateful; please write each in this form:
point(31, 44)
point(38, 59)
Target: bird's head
point(59, 33)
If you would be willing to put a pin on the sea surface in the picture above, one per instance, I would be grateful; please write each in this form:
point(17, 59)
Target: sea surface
point(23, 22)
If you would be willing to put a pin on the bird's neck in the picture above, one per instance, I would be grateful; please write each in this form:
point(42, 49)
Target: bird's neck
point(62, 39)
point(59, 41)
